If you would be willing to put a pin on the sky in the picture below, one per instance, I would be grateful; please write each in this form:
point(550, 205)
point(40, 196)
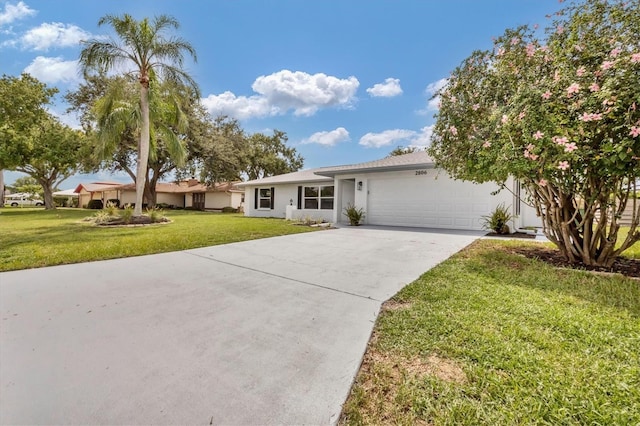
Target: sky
point(347, 80)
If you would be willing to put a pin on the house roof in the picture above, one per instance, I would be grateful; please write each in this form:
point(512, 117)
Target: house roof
point(310, 175)
point(66, 193)
point(418, 159)
point(97, 186)
point(186, 187)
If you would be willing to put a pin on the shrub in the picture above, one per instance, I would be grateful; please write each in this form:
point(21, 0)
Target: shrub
point(114, 201)
point(229, 209)
point(95, 204)
point(355, 214)
point(127, 214)
point(156, 215)
point(102, 216)
point(111, 208)
point(498, 221)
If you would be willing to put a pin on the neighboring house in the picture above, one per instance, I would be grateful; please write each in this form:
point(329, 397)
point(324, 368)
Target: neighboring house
point(185, 194)
point(404, 190)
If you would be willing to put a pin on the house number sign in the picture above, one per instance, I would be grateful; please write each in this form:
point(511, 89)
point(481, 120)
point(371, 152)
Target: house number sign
point(421, 172)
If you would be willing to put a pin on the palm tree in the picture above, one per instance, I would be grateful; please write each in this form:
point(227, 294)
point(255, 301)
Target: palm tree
point(142, 46)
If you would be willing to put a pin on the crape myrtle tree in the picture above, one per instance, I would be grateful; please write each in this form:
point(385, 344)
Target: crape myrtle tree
point(560, 113)
point(146, 51)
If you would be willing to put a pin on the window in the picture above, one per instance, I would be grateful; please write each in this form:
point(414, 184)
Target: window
point(264, 198)
point(318, 197)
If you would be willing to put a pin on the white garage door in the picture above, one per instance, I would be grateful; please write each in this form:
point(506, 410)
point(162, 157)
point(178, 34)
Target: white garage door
point(425, 201)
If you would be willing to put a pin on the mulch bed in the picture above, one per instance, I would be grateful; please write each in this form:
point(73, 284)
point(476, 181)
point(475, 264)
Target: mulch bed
point(514, 235)
point(624, 266)
point(135, 220)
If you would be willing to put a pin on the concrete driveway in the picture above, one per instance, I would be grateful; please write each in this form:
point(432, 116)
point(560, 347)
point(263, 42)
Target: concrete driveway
point(269, 331)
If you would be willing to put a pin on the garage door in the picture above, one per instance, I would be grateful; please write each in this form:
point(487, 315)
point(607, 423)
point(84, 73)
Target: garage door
point(427, 201)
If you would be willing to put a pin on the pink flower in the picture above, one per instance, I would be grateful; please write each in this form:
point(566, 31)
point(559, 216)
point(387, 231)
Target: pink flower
point(453, 130)
point(560, 29)
point(515, 40)
point(580, 72)
point(615, 52)
point(556, 76)
point(530, 49)
point(522, 115)
point(590, 117)
point(501, 51)
point(560, 140)
point(635, 131)
point(546, 95)
point(486, 144)
point(531, 147)
point(536, 26)
point(538, 135)
point(504, 119)
point(606, 65)
point(454, 99)
point(594, 87)
point(542, 182)
point(475, 107)
point(579, 47)
point(570, 147)
point(563, 165)
point(635, 58)
point(574, 88)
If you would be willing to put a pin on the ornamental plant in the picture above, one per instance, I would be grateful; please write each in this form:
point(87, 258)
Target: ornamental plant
point(559, 112)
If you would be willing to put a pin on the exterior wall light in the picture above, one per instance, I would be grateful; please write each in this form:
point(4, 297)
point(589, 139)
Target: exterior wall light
point(359, 185)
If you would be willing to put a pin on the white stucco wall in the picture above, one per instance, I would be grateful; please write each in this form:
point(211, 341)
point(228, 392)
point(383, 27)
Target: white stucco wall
point(284, 195)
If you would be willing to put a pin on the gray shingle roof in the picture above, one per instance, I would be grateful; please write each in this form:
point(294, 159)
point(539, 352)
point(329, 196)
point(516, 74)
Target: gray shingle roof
point(396, 162)
point(419, 159)
point(300, 176)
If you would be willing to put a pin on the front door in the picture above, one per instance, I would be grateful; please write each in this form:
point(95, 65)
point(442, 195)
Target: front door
point(198, 200)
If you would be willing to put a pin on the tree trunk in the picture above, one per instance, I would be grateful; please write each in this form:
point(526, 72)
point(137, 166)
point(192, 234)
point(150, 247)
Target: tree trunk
point(1, 188)
point(143, 147)
point(48, 195)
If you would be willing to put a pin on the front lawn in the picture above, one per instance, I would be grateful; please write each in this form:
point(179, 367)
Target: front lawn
point(490, 337)
point(31, 238)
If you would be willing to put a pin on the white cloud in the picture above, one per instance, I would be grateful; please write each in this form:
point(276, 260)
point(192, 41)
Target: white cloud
point(53, 70)
point(433, 104)
point(388, 137)
point(390, 87)
point(399, 137)
point(422, 139)
point(15, 12)
point(240, 107)
point(305, 93)
point(328, 138)
point(283, 91)
point(55, 34)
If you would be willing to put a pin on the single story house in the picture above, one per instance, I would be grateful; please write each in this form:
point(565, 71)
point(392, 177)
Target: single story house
point(184, 194)
point(404, 190)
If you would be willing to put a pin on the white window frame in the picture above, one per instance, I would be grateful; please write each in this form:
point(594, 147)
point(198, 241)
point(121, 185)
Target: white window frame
point(268, 198)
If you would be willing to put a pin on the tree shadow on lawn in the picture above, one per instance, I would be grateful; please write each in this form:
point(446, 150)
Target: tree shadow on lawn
point(607, 289)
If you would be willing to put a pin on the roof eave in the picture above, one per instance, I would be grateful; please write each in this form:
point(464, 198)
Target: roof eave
point(402, 167)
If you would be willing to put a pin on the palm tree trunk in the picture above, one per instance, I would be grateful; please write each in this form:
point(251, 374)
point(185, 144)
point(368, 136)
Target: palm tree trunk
point(143, 148)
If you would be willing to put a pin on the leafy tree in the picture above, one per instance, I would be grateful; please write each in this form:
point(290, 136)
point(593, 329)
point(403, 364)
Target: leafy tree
point(22, 103)
point(220, 152)
point(154, 57)
point(27, 185)
point(270, 155)
point(402, 150)
point(33, 141)
point(559, 113)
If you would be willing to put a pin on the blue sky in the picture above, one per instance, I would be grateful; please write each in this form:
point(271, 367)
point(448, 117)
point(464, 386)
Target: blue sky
point(347, 80)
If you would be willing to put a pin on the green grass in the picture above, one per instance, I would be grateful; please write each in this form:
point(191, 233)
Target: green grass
point(493, 338)
point(31, 238)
